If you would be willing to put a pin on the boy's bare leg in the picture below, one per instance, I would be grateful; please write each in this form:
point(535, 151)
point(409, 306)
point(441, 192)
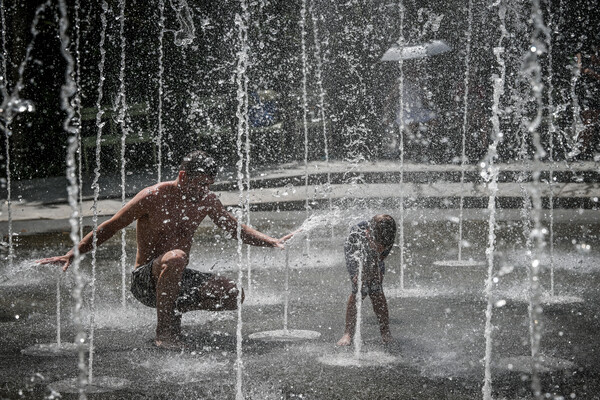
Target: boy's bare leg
point(381, 310)
point(346, 339)
point(167, 271)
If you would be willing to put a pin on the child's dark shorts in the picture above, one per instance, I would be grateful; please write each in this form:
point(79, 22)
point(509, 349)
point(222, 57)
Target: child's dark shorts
point(190, 293)
point(370, 287)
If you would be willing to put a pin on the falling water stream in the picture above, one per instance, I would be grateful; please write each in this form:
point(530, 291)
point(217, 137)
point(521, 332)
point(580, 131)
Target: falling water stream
point(286, 297)
point(358, 334)
point(122, 105)
point(286, 334)
point(6, 128)
point(241, 22)
point(67, 91)
point(305, 112)
point(401, 144)
point(96, 186)
point(58, 339)
point(491, 176)
point(161, 34)
point(77, 106)
point(532, 70)
point(12, 105)
point(319, 78)
point(551, 132)
point(247, 148)
point(576, 121)
point(463, 159)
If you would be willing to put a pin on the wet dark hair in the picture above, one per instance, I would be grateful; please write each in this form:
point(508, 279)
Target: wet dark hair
point(197, 163)
point(383, 227)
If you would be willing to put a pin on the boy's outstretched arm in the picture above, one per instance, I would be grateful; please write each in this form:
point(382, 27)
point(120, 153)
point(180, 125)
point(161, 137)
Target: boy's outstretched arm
point(224, 220)
point(130, 212)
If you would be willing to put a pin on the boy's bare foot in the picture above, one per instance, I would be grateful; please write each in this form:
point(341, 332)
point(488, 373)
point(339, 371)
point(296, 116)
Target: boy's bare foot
point(346, 340)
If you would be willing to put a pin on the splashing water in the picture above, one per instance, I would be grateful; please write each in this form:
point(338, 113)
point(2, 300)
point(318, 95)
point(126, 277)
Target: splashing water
point(187, 32)
point(320, 220)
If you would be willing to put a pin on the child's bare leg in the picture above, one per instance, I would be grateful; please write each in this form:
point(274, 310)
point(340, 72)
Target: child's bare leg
point(381, 310)
point(346, 340)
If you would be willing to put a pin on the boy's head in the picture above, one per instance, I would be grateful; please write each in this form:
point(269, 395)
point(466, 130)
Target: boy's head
point(383, 227)
point(199, 163)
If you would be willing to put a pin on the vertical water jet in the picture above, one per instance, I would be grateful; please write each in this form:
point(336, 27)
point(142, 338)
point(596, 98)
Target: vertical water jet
point(96, 185)
point(77, 107)
point(491, 176)
point(6, 129)
point(161, 34)
point(319, 78)
point(532, 70)
point(67, 91)
point(401, 10)
point(122, 105)
point(241, 21)
point(463, 157)
point(305, 111)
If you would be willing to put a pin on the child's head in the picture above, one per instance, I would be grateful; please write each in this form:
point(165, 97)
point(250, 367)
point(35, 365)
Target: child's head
point(383, 227)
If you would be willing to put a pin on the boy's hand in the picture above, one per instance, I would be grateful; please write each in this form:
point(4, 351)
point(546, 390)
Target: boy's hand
point(65, 260)
point(281, 241)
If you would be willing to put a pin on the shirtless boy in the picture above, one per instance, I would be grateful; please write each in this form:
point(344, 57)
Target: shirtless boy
point(167, 216)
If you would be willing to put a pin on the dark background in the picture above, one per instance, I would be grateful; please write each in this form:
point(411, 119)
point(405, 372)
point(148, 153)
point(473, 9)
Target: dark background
point(199, 103)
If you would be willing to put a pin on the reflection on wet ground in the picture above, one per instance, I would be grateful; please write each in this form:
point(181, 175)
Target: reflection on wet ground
point(437, 320)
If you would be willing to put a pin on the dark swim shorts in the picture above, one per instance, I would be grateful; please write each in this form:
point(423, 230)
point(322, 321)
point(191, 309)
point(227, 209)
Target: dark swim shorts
point(368, 287)
point(190, 294)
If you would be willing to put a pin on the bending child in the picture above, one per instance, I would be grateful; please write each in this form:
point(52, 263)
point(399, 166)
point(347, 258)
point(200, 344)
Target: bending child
point(370, 243)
